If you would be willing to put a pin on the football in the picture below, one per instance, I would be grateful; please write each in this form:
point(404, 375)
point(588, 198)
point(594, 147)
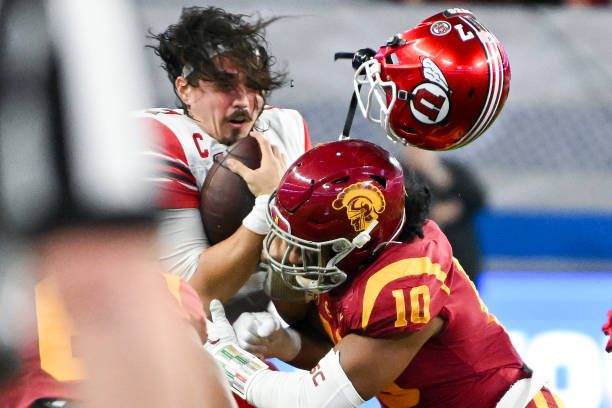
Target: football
point(225, 198)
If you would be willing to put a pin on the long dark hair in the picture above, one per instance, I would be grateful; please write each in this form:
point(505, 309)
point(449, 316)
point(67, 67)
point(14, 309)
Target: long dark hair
point(416, 202)
point(188, 48)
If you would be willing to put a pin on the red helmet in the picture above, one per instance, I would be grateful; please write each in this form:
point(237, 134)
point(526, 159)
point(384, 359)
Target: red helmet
point(335, 205)
point(437, 86)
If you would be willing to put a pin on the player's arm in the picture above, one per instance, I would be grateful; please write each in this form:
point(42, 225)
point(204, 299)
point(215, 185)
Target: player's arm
point(355, 370)
point(313, 341)
point(372, 363)
point(216, 271)
point(224, 267)
point(313, 346)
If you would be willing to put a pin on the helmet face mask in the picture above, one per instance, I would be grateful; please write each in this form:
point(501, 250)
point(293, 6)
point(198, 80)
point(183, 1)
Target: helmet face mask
point(317, 270)
point(437, 86)
point(368, 74)
point(333, 208)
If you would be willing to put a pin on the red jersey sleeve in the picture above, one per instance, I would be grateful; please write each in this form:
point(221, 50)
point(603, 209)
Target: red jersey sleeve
point(176, 185)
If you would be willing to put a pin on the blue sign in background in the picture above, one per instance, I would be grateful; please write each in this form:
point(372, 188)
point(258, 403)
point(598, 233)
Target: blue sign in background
point(536, 301)
point(555, 321)
point(564, 235)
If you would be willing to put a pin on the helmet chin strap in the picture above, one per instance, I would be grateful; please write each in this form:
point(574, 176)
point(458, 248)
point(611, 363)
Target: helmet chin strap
point(358, 242)
point(357, 58)
point(350, 115)
point(364, 236)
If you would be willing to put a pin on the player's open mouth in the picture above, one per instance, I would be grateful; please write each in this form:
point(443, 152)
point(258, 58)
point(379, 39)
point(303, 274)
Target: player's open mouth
point(238, 118)
point(237, 122)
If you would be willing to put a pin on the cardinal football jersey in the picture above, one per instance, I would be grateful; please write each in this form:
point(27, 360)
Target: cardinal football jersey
point(470, 363)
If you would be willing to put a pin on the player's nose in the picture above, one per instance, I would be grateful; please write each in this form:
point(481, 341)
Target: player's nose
point(280, 251)
point(243, 97)
point(294, 257)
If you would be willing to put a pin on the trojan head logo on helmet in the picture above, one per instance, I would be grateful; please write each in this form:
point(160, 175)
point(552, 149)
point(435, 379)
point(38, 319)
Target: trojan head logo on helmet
point(334, 207)
point(437, 86)
point(363, 203)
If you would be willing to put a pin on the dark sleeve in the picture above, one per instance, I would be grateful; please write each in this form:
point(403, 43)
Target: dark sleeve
point(466, 187)
point(51, 176)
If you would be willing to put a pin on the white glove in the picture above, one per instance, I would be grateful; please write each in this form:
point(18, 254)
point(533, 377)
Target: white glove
point(262, 333)
point(220, 329)
point(239, 367)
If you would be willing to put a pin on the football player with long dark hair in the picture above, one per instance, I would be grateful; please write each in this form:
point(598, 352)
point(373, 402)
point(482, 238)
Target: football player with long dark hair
point(222, 72)
point(401, 319)
point(391, 312)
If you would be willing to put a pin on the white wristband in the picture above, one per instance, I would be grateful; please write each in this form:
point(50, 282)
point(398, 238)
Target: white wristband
point(238, 365)
point(255, 221)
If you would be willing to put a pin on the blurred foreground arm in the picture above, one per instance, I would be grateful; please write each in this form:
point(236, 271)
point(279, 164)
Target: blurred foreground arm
point(136, 348)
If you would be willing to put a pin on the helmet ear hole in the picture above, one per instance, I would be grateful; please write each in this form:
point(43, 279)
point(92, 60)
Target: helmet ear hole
point(380, 180)
point(340, 180)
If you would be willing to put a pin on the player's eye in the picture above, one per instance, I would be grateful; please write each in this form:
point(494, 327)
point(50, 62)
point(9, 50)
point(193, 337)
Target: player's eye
point(226, 81)
point(311, 258)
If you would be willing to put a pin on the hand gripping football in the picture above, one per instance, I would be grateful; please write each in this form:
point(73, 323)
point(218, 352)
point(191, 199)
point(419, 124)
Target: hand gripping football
point(225, 198)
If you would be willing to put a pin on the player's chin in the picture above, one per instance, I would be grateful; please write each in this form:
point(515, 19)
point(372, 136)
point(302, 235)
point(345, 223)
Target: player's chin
point(234, 133)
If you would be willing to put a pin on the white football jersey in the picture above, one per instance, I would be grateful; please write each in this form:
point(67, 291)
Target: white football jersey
point(183, 155)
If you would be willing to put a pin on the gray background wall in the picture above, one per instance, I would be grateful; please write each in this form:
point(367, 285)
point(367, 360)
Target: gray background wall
point(551, 148)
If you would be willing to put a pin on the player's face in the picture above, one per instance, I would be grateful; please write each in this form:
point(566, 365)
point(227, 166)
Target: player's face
point(278, 250)
point(303, 267)
point(226, 114)
point(281, 250)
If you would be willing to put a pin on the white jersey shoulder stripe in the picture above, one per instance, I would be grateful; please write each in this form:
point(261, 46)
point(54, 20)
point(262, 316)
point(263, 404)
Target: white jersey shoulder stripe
point(496, 81)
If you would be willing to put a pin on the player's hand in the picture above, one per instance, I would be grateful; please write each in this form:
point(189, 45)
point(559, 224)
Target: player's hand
point(263, 334)
point(266, 177)
point(220, 330)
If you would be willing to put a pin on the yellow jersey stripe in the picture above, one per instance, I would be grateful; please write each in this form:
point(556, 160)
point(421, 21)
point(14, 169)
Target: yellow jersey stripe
point(174, 286)
point(396, 270)
point(540, 400)
point(327, 328)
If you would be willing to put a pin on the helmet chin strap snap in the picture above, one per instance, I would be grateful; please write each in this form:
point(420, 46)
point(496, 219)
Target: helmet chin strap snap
point(364, 236)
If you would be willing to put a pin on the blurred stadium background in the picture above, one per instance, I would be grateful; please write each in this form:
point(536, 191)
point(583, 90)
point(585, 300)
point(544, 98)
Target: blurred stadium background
point(546, 162)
